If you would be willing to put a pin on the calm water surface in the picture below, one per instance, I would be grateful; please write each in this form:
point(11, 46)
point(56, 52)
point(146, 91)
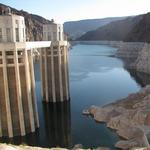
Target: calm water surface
point(95, 79)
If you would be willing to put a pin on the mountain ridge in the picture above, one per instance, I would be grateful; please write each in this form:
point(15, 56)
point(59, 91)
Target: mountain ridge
point(75, 29)
point(131, 29)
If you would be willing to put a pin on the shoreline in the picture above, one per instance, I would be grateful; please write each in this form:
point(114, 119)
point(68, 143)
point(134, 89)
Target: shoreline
point(129, 123)
point(129, 117)
point(135, 55)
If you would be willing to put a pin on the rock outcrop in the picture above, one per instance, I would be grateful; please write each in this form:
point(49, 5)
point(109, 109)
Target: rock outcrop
point(142, 63)
point(129, 50)
point(135, 55)
point(130, 117)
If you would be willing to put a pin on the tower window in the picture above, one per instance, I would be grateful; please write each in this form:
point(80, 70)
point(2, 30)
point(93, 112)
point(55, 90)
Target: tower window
point(59, 36)
point(1, 35)
point(23, 33)
point(17, 34)
point(8, 34)
point(17, 22)
point(54, 36)
point(49, 36)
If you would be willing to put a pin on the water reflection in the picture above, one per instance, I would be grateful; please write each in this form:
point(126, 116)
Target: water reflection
point(57, 120)
point(30, 139)
point(58, 124)
point(94, 60)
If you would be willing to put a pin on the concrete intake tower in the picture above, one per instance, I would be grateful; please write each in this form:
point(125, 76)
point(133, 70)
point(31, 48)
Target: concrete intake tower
point(54, 65)
point(18, 106)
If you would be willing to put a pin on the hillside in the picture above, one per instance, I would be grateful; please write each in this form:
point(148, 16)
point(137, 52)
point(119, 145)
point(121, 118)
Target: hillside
point(141, 31)
point(33, 23)
point(77, 28)
point(114, 31)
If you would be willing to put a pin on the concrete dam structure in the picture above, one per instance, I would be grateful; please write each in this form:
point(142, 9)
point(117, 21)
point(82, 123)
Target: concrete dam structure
point(18, 106)
point(54, 65)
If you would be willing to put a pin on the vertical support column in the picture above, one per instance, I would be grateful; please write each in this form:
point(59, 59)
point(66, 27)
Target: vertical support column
point(19, 95)
point(67, 65)
point(53, 74)
point(29, 97)
point(60, 72)
point(33, 86)
point(46, 78)
point(7, 100)
point(66, 72)
point(41, 71)
point(0, 126)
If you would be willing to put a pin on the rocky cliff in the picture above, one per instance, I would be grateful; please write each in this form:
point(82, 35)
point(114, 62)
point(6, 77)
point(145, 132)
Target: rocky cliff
point(135, 55)
point(34, 23)
point(142, 63)
point(130, 117)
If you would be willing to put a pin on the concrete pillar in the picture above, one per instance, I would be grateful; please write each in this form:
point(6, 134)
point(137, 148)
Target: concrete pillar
point(7, 100)
point(42, 82)
point(66, 72)
point(53, 76)
point(29, 96)
point(0, 127)
point(60, 72)
point(34, 98)
point(19, 94)
point(46, 75)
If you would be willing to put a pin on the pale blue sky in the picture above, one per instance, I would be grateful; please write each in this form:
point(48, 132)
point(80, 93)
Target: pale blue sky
point(66, 10)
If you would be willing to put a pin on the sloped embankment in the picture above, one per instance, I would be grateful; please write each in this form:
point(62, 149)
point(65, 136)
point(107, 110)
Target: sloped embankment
point(130, 117)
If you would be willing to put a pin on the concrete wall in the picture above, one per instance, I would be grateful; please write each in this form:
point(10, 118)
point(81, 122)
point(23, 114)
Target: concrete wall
point(53, 32)
point(18, 110)
point(11, 22)
point(54, 72)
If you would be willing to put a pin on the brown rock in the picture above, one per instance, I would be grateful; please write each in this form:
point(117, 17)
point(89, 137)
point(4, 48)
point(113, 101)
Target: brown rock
point(125, 145)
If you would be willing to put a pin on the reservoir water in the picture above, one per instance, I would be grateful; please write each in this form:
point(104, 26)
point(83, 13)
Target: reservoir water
point(96, 78)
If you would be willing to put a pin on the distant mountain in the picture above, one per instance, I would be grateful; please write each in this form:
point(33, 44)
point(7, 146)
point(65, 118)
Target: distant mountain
point(34, 23)
point(114, 31)
point(141, 31)
point(75, 29)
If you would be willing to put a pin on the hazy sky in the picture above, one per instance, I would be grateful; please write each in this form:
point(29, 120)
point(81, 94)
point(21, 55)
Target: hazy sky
point(66, 10)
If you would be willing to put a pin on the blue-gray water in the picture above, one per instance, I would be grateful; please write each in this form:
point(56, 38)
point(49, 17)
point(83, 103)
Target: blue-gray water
point(95, 79)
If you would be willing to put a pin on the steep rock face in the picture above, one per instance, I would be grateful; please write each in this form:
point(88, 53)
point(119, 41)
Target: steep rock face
point(34, 23)
point(130, 117)
point(129, 50)
point(142, 63)
point(135, 55)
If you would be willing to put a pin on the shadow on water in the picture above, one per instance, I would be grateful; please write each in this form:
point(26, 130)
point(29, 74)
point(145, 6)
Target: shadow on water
point(57, 121)
point(141, 78)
